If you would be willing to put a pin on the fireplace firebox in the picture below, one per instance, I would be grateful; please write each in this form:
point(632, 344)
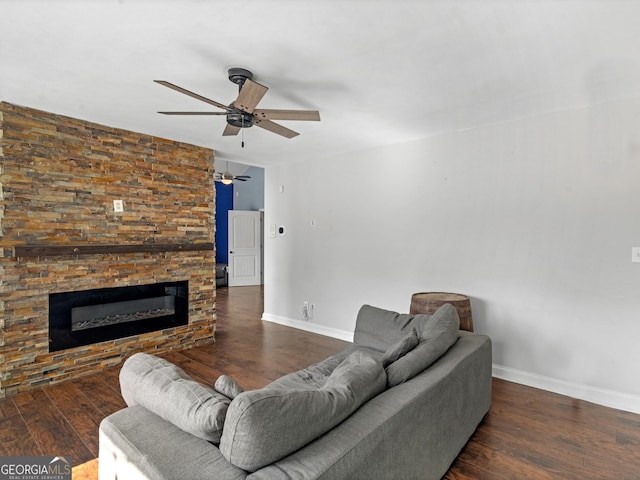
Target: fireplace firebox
point(91, 316)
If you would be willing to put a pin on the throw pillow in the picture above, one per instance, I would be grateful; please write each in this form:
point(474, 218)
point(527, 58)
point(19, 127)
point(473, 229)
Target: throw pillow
point(263, 426)
point(439, 334)
point(379, 329)
point(400, 348)
point(166, 390)
point(228, 387)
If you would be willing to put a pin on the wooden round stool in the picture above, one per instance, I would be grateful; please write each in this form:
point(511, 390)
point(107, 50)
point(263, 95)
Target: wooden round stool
point(429, 302)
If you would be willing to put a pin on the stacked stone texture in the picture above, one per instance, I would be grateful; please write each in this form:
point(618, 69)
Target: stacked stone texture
point(58, 179)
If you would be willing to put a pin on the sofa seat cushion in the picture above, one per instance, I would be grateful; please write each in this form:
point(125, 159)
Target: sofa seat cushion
point(440, 332)
point(313, 376)
point(263, 426)
point(166, 390)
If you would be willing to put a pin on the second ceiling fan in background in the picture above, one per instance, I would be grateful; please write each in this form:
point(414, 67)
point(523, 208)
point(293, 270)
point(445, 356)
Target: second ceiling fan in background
point(227, 179)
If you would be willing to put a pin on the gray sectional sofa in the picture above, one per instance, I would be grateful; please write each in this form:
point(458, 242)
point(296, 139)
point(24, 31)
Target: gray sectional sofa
point(400, 402)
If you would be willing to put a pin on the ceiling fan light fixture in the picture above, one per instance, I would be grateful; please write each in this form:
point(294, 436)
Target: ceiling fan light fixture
point(226, 181)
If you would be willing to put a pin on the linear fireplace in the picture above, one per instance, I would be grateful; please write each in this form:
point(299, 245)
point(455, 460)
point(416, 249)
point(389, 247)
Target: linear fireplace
point(92, 316)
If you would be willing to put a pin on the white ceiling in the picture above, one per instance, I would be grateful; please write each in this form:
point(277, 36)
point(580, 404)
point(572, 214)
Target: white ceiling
point(379, 71)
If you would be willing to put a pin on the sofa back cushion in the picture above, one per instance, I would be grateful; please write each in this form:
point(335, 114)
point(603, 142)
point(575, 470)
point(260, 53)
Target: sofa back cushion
point(380, 329)
point(166, 390)
point(263, 426)
point(439, 333)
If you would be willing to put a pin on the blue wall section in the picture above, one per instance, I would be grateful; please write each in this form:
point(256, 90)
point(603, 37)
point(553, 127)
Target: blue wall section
point(224, 203)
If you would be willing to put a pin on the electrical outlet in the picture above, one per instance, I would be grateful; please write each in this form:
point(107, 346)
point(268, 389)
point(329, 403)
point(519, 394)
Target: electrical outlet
point(635, 254)
point(305, 310)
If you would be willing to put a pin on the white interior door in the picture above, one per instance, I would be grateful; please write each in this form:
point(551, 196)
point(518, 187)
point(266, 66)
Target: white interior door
point(245, 248)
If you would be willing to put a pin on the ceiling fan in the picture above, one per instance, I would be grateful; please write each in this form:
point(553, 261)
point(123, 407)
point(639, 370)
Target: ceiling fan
point(227, 179)
point(242, 112)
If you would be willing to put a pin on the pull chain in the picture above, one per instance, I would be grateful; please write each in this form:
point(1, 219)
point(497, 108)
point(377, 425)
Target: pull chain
point(242, 132)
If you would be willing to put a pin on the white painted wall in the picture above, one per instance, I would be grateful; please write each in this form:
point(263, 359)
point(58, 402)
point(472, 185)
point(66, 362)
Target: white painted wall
point(533, 218)
point(249, 195)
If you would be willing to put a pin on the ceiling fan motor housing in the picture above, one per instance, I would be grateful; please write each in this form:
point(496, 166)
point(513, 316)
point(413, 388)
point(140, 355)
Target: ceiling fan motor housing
point(239, 118)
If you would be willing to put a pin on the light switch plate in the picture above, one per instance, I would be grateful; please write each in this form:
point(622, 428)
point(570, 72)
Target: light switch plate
point(635, 254)
point(118, 206)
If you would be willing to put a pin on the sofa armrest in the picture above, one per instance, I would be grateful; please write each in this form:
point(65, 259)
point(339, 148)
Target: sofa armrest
point(137, 444)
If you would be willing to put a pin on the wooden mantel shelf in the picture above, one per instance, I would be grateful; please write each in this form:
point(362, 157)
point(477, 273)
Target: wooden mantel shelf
point(50, 250)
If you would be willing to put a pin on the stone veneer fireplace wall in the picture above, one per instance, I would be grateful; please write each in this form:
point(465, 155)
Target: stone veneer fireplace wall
point(58, 179)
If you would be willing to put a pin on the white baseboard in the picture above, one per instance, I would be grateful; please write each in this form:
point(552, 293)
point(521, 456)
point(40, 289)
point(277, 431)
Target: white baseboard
point(608, 398)
point(309, 327)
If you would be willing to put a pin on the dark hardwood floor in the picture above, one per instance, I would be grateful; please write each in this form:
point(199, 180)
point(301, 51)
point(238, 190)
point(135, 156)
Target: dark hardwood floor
point(528, 434)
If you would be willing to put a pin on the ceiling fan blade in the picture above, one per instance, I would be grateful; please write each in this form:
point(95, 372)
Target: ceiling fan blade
point(250, 94)
point(240, 179)
point(275, 128)
point(242, 176)
point(193, 113)
point(230, 130)
point(311, 115)
point(191, 94)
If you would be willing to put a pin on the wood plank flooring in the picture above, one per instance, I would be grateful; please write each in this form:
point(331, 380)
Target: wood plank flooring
point(528, 433)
